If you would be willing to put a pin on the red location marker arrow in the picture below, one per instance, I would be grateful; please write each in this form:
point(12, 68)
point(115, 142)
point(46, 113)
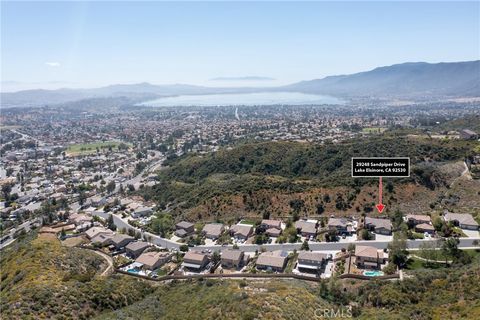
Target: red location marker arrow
point(380, 205)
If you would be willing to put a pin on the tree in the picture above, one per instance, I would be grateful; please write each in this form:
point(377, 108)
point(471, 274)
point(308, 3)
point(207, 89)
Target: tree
point(81, 197)
point(437, 223)
point(398, 252)
point(110, 223)
point(366, 235)
point(397, 219)
point(162, 224)
point(390, 268)
point(450, 248)
point(215, 257)
point(6, 189)
point(331, 235)
point(389, 186)
point(111, 186)
point(320, 208)
point(351, 248)
point(305, 246)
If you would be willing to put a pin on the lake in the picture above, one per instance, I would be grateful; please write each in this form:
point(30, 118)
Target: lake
point(243, 99)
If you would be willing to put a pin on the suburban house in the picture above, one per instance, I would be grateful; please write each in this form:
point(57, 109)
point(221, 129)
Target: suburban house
point(135, 249)
point(380, 226)
point(306, 229)
point(95, 231)
point(142, 212)
point(195, 261)
point(121, 240)
point(272, 260)
point(184, 228)
point(418, 219)
point(153, 260)
point(102, 239)
point(232, 259)
point(462, 220)
point(268, 224)
point(369, 257)
point(468, 134)
point(213, 230)
point(424, 227)
point(83, 227)
point(342, 225)
point(78, 219)
point(311, 261)
point(97, 201)
point(273, 232)
point(241, 231)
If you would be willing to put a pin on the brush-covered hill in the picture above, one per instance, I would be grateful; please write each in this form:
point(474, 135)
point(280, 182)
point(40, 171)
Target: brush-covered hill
point(429, 294)
point(41, 279)
point(277, 178)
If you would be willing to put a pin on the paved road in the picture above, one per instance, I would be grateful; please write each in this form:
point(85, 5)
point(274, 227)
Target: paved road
point(26, 225)
point(121, 223)
point(315, 246)
point(136, 179)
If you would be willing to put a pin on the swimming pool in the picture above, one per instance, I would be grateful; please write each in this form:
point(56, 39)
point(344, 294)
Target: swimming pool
point(373, 273)
point(136, 271)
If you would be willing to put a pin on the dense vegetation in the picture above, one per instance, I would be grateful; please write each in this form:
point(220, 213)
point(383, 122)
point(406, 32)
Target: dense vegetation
point(41, 279)
point(471, 122)
point(430, 294)
point(311, 161)
point(289, 167)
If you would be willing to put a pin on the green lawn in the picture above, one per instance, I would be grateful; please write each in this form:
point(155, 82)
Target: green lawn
point(250, 222)
point(416, 264)
point(373, 130)
point(474, 253)
point(88, 148)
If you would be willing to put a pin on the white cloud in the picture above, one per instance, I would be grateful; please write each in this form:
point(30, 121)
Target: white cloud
point(53, 64)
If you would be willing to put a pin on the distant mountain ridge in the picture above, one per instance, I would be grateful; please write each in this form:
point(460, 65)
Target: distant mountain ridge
point(407, 80)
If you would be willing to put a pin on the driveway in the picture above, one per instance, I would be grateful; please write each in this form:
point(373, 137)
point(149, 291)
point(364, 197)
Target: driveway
point(471, 233)
point(382, 237)
point(348, 239)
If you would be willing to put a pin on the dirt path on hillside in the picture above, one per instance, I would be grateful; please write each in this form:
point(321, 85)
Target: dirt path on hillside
point(109, 260)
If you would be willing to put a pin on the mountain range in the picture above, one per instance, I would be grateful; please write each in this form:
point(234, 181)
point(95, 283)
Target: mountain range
point(407, 80)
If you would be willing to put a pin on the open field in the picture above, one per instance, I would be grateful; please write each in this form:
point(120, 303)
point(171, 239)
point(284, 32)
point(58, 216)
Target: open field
point(9, 127)
point(88, 148)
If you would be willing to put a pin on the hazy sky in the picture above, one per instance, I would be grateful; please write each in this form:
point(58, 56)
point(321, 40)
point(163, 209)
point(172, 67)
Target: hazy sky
point(97, 43)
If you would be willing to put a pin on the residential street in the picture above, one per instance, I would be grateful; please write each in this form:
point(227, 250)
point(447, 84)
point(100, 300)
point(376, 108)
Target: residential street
point(315, 246)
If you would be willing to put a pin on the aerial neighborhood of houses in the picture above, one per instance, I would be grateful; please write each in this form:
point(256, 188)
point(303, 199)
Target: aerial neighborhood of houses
point(248, 246)
point(88, 195)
